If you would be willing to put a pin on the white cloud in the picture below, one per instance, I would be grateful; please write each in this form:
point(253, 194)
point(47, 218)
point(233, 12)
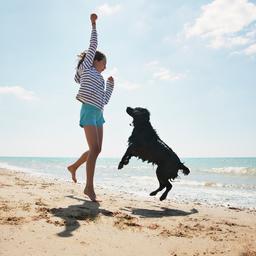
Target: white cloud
point(18, 92)
point(162, 73)
point(128, 85)
point(223, 17)
point(229, 42)
point(226, 23)
point(108, 10)
point(120, 81)
point(251, 50)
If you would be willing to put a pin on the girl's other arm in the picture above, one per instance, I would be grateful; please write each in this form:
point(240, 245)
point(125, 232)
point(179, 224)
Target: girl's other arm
point(109, 89)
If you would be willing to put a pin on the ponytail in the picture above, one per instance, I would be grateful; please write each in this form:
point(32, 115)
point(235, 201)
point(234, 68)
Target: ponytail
point(98, 56)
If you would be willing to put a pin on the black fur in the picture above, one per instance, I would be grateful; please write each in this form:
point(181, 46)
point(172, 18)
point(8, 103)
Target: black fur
point(145, 144)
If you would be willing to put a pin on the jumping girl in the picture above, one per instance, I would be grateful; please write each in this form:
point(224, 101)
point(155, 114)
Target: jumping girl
point(93, 95)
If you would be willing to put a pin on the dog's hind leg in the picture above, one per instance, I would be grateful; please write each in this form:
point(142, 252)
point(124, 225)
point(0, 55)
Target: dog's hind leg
point(161, 184)
point(168, 186)
point(153, 193)
point(164, 181)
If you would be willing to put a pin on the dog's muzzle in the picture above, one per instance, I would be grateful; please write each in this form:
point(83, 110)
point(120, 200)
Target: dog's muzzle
point(129, 110)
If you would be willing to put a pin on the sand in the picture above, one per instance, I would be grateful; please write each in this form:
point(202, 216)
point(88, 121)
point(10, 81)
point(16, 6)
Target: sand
point(41, 216)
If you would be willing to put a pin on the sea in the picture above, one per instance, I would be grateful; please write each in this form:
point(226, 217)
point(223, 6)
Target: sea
point(226, 181)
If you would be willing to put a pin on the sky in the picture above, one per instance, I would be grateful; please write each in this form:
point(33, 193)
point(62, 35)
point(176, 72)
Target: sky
point(192, 64)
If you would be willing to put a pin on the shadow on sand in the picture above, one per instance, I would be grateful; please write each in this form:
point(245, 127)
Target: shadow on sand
point(88, 211)
point(165, 212)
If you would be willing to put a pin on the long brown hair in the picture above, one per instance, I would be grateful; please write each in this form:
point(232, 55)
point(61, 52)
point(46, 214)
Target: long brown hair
point(98, 56)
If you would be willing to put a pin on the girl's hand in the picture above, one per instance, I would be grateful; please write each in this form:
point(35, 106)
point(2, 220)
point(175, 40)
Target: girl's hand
point(93, 18)
point(111, 79)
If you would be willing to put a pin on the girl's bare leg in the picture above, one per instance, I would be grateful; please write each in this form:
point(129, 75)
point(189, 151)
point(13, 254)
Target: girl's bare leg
point(93, 138)
point(100, 136)
point(73, 167)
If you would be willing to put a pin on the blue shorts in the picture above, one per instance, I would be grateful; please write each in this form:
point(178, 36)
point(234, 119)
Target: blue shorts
point(91, 115)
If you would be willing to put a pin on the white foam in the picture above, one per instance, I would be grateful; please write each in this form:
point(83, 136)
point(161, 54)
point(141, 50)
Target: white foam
point(4, 165)
point(234, 170)
point(213, 184)
point(146, 180)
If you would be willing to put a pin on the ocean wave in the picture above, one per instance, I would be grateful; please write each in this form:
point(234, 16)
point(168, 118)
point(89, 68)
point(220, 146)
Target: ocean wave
point(130, 167)
point(234, 170)
point(212, 184)
point(143, 180)
point(4, 165)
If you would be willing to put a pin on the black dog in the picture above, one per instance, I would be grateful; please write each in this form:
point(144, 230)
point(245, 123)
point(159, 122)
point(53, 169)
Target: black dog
point(145, 144)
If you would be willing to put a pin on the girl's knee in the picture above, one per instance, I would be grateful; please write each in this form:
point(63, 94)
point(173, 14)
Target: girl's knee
point(95, 151)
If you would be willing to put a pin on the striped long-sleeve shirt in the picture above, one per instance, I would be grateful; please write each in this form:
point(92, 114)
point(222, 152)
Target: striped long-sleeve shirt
point(92, 85)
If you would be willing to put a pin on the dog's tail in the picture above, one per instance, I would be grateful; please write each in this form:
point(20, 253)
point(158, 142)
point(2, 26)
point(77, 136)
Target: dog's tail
point(184, 169)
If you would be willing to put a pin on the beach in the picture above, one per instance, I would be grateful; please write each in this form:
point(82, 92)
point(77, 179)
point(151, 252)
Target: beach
point(43, 216)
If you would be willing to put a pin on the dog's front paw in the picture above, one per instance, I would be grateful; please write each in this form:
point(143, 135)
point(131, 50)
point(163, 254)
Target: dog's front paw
point(120, 166)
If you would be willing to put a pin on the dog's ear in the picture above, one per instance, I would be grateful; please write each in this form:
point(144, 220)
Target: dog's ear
point(148, 113)
point(145, 112)
point(141, 115)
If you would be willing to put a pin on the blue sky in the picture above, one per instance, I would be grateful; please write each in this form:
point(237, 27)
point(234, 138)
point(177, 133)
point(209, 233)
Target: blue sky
point(191, 63)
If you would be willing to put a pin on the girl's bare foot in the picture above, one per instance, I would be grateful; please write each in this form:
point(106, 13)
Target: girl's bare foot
point(72, 170)
point(91, 194)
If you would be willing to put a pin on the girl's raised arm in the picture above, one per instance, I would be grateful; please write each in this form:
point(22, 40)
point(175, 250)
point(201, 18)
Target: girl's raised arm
point(89, 57)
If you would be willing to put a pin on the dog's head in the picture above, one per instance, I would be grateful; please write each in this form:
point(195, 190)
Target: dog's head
point(139, 115)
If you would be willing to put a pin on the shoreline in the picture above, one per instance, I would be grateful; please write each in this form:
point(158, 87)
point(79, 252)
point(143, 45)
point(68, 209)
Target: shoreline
point(116, 190)
point(39, 214)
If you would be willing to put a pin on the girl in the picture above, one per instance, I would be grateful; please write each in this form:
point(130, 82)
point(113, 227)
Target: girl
point(94, 96)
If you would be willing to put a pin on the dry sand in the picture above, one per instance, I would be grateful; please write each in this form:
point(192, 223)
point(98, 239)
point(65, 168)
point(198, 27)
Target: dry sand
point(42, 216)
